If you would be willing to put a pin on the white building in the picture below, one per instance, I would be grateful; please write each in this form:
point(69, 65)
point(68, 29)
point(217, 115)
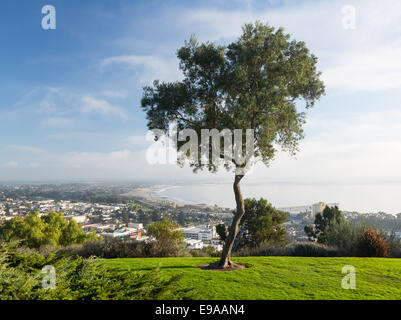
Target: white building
point(194, 244)
point(200, 232)
point(312, 209)
point(135, 225)
point(80, 219)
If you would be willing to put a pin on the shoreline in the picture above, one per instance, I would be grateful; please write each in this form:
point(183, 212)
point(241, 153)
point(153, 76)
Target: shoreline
point(154, 194)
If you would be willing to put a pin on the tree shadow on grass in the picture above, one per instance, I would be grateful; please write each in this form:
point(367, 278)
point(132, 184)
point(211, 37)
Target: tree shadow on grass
point(161, 267)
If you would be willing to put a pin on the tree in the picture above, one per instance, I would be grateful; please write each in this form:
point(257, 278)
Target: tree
point(252, 84)
point(168, 237)
point(222, 231)
point(50, 229)
point(324, 222)
point(261, 224)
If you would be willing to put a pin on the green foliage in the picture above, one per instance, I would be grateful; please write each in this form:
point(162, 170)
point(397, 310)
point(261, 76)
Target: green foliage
point(222, 231)
point(262, 224)
point(169, 240)
point(209, 251)
point(253, 83)
point(330, 218)
point(110, 248)
point(344, 234)
point(80, 279)
point(302, 249)
point(50, 229)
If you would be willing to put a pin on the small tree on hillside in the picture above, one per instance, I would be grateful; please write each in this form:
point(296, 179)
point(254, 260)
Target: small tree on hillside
point(168, 238)
point(262, 224)
point(252, 84)
point(330, 218)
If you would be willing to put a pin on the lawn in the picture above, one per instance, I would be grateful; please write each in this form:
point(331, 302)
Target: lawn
point(272, 278)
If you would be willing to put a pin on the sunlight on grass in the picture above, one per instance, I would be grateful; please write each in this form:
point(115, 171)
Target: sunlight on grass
point(279, 277)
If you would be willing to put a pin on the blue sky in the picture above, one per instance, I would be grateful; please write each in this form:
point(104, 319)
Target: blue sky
point(70, 97)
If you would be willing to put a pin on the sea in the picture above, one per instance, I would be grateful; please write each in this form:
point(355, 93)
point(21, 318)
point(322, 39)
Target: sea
point(353, 197)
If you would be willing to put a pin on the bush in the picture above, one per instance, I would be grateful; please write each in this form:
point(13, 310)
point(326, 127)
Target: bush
point(312, 249)
point(109, 248)
point(209, 251)
point(307, 249)
point(51, 229)
point(344, 235)
point(372, 244)
point(169, 241)
point(112, 248)
point(80, 279)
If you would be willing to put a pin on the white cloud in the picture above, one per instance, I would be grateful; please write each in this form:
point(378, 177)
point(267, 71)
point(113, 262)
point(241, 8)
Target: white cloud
point(113, 94)
point(11, 164)
point(146, 68)
point(34, 165)
point(31, 149)
point(57, 121)
point(92, 105)
point(62, 107)
point(378, 69)
point(364, 59)
point(137, 141)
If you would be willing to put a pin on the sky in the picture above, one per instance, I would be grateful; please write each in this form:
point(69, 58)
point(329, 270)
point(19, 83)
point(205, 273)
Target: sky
point(70, 97)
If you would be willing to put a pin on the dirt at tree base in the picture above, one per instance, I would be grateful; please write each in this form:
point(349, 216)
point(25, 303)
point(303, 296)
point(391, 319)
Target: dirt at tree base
point(215, 266)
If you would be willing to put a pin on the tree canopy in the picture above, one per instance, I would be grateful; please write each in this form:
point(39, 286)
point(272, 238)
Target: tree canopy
point(261, 224)
point(168, 237)
point(50, 229)
point(330, 218)
point(253, 83)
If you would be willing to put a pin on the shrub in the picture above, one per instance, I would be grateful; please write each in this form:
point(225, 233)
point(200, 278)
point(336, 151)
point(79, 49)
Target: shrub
point(306, 249)
point(311, 249)
point(109, 248)
point(169, 241)
point(51, 229)
point(80, 279)
point(209, 251)
point(112, 248)
point(372, 244)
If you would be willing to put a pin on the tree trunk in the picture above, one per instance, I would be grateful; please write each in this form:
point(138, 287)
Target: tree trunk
point(225, 261)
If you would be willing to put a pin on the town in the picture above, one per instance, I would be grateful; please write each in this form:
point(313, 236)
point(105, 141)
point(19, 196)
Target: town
point(111, 215)
point(121, 211)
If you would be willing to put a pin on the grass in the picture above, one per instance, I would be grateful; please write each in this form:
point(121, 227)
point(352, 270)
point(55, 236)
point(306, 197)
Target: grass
point(279, 278)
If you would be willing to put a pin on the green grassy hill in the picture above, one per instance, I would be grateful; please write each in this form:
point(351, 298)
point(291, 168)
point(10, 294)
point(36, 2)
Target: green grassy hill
point(279, 277)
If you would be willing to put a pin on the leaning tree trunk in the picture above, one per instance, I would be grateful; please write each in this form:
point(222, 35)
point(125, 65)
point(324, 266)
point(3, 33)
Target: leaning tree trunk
point(225, 261)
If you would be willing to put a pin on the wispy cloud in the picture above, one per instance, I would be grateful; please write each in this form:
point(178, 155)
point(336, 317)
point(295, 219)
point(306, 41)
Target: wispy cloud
point(62, 106)
point(145, 68)
point(22, 148)
point(92, 105)
point(10, 164)
point(364, 59)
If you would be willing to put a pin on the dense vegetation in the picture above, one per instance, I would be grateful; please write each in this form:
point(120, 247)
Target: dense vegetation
point(262, 224)
point(76, 278)
point(332, 229)
point(52, 229)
